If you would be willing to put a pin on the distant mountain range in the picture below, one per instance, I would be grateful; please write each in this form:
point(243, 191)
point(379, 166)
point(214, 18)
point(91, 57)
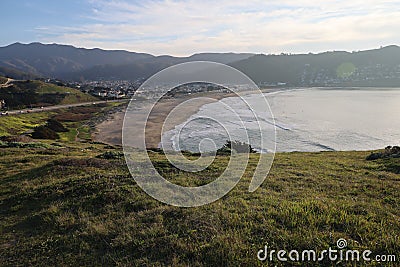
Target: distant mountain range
point(364, 68)
point(68, 62)
point(378, 67)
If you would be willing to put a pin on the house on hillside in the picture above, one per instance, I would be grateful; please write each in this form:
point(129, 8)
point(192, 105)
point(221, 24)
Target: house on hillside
point(102, 93)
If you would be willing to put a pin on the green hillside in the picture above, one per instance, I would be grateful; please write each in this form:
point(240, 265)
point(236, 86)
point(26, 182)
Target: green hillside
point(66, 204)
point(32, 93)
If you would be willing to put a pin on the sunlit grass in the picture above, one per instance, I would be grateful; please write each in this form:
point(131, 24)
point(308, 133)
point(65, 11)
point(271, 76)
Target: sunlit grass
point(18, 124)
point(64, 206)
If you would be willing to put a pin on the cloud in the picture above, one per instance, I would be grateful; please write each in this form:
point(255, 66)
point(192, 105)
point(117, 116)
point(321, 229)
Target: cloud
point(184, 27)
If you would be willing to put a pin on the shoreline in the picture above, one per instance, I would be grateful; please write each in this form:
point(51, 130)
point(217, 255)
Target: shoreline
point(109, 131)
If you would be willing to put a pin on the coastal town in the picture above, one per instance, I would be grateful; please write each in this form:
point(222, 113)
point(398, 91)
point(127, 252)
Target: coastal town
point(346, 74)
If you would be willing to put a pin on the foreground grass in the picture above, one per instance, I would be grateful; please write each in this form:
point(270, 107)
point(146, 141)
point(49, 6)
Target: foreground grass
point(64, 206)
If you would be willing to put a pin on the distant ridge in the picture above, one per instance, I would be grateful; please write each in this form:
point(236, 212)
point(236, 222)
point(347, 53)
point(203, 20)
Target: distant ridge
point(377, 67)
point(54, 59)
point(16, 74)
point(69, 62)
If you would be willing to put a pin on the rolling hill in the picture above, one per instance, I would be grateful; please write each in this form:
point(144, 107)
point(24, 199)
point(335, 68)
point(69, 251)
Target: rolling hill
point(20, 94)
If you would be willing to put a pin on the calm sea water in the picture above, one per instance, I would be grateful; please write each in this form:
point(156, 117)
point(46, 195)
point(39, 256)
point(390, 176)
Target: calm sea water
point(315, 119)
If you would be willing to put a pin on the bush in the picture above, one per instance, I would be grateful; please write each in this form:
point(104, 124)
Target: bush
point(49, 131)
point(111, 155)
point(43, 132)
point(236, 146)
point(390, 152)
point(56, 126)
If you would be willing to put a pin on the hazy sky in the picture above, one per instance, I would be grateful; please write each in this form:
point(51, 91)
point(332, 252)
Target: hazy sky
point(187, 27)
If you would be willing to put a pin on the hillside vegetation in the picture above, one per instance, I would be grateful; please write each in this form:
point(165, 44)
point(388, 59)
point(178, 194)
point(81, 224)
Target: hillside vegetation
point(73, 124)
point(16, 125)
point(32, 93)
point(76, 204)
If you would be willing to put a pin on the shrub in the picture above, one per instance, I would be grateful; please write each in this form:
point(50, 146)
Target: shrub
point(43, 132)
point(390, 152)
point(236, 146)
point(56, 126)
point(111, 155)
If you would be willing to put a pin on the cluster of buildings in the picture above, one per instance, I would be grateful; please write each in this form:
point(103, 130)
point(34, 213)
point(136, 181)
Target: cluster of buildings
point(196, 88)
point(187, 89)
point(310, 76)
point(108, 89)
point(117, 89)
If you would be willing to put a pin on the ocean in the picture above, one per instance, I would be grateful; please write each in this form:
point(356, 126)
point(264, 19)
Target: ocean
point(312, 119)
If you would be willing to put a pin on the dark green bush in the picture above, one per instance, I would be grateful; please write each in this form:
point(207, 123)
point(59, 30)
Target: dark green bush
point(56, 126)
point(390, 152)
point(43, 132)
point(111, 155)
point(236, 146)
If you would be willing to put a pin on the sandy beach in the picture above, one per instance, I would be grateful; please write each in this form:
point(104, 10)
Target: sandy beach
point(110, 130)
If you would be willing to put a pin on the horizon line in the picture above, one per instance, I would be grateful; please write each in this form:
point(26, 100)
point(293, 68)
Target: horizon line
point(197, 53)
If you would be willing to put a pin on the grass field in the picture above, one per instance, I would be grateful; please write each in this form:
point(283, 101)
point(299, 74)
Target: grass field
point(64, 206)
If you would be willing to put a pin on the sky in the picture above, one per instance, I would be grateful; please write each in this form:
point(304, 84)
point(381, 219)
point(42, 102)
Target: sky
point(181, 28)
